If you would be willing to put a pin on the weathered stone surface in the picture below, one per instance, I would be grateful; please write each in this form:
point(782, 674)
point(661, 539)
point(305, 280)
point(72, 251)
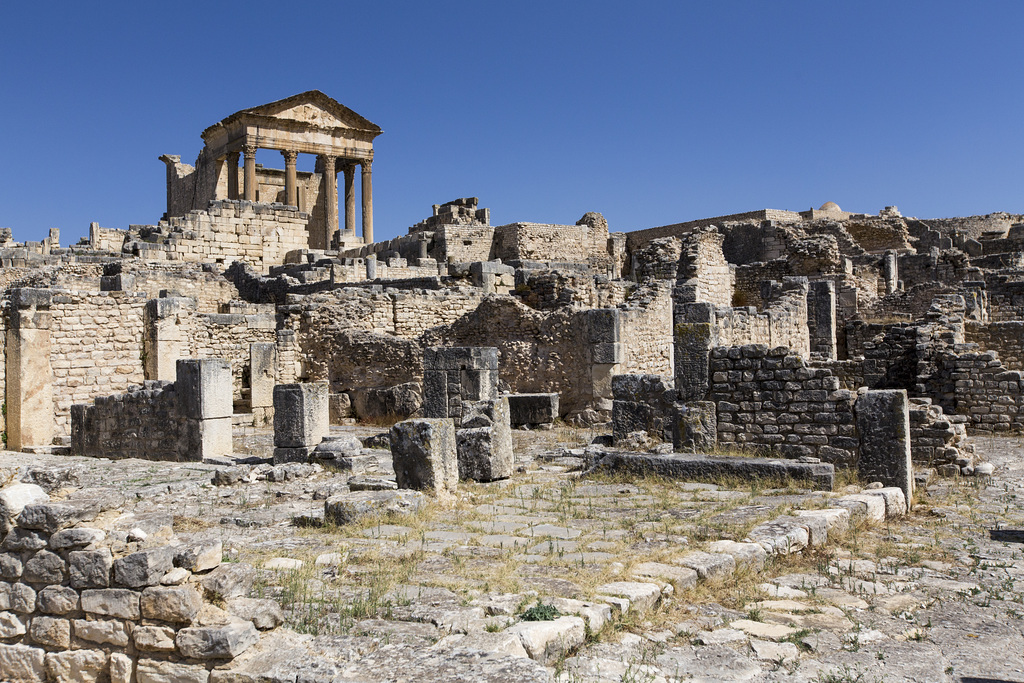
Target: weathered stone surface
point(695, 426)
point(484, 444)
point(111, 602)
point(153, 638)
point(13, 500)
point(424, 455)
point(263, 613)
point(144, 568)
point(680, 577)
point(23, 540)
point(204, 388)
point(44, 567)
point(545, 641)
point(52, 517)
point(11, 567)
point(883, 420)
point(229, 581)
point(50, 631)
point(159, 671)
point(750, 555)
point(78, 537)
point(387, 403)
point(200, 556)
point(17, 597)
point(348, 508)
point(177, 604)
point(781, 537)
point(90, 568)
point(22, 663)
point(641, 596)
point(837, 520)
point(709, 565)
point(895, 500)
point(104, 632)
point(863, 506)
point(11, 625)
point(57, 600)
point(216, 642)
point(121, 666)
point(701, 467)
point(532, 409)
point(301, 414)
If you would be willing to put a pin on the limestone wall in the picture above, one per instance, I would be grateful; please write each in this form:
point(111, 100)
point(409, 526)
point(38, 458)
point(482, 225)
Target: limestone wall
point(1005, 338)
point(782, 323)
point(889, 351)
point(463, 243)
point(228, 336)
point(647, 331)
point(1005, 295)
point(772, 400)
point(209, 289)
point(978, 385)
point(95, 347)
point(638, 237)
point(80, 603)
point(541, 242)
point(226, 231)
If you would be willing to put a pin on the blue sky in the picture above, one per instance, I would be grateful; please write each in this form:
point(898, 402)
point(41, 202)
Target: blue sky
point(650, 113)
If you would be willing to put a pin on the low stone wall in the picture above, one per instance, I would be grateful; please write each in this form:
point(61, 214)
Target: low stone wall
point(771, 399)
point(84, 603)
point(189, 419)
point(1005, 338)
point(978, 385)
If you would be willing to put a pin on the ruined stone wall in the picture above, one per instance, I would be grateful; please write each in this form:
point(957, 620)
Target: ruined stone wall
point(95, 348)
point(782, 323)
point(850, 373)
point(145, 422)
point(877, 234)
point(772, 400)
point(639, 237)
point(541, 242)
point(1005, 295)
point(978, 385)
point(82, 605)
point(463, 243)
point(354, 270)
point(259, 234)
point(209, 289)
point(704, 268)
point(228, 336)
point(1005, 338)
point(549, 289)
point(647, 331)
point(948, 267)
point(889, 351)
point(750, 276)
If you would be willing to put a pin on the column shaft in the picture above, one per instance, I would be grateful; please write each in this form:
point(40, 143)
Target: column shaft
point(350, 198)
point(232, 170)
point(249, 151)
point(291, 190)
point(330, 165)
point(367, 170)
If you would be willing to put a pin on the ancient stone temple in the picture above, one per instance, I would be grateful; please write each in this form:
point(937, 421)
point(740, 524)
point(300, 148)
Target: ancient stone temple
point(307, 123)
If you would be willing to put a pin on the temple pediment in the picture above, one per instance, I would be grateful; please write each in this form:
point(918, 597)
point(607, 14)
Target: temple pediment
point(312, 108)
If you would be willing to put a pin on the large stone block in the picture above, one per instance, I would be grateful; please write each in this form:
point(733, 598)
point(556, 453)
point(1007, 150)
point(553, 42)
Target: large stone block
point(695, 426)
point(485, 446)
point(531, 409)
point(217, 642)
point(424, 455)
point(262, 373)
point(301, 414)
point(22, 663)
point(460, 358)
point(883, 420)
point(144, 568)
point(204, 388)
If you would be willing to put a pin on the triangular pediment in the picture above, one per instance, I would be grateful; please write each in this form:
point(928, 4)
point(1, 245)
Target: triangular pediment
point(316, 109)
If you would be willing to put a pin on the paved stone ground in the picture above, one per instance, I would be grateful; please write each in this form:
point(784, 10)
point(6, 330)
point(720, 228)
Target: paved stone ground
point(927, 598)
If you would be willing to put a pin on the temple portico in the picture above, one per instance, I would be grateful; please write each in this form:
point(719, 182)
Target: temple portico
point(307, 123)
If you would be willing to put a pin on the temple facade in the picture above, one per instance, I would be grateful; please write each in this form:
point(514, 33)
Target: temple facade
point(307, 123)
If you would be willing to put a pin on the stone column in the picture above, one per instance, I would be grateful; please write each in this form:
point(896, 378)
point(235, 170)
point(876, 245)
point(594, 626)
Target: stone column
point(262, 377)
point(366, 167)
point(232, 162)
point(291, 190)
point(29, 374)
point(249, 151)
point(350, 198)
point(330, 190)
point(204, 390)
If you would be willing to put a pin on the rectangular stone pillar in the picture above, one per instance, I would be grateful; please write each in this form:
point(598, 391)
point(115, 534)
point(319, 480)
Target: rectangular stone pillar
point(454, 375)
point(821, 318)
point(165, 336)
point(883, 422)
point(607, 353)
point(204, 389)
point(425, 456)
point(693, 336)
point(262, 378)
point(30, 420)
point(301, 420)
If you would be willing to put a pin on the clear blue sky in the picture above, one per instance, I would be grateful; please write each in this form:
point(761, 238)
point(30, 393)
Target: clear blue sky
point(650, 113)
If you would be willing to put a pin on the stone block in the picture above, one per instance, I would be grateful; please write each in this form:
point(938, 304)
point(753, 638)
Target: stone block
point(229, 581)
point(76, 538)
point(680, 577)
point(90, 568)
point(607, 354)
point(57, 600)
point(11, 625)
point(102, 632)
point(264, 613)
point(175, 604)
point(262, 373)
point(204, 388)
point(640, 597)
point(217, 642)
point(424, 455)
point(481, 455)
point(14, 499)
point(153, 638)
point(17, 597)
point(214, 438)
point(695, 426)
point(283, 455)
point(121, 666)
point(709, 565)
point(339, 407)
point(45, 567)
point(531, 409)
point(883, 421)
point(52, 517)
point(546, 641)
point(460, 358)
point(160, 671)
point(604, 326)
point(111, 602)
point(144, 568)
point(22, 663)
point(348, 508)
point(301, 415)
point(750, 555)
point(50, 632)
point(199, 556)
